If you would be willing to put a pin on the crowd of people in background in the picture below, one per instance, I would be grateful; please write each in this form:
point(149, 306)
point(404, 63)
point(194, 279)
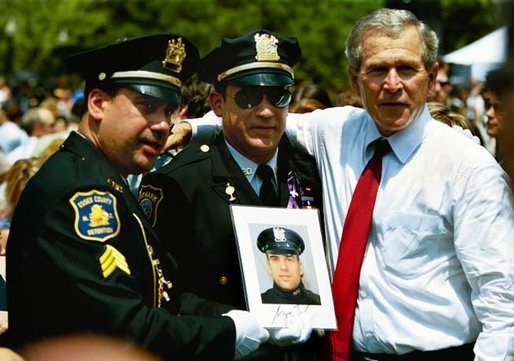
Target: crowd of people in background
point(35, 120)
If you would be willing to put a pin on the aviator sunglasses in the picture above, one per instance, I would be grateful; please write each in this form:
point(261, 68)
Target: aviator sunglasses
point(250, 97)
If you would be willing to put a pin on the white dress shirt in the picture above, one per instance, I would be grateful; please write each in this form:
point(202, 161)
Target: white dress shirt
point(439, 265)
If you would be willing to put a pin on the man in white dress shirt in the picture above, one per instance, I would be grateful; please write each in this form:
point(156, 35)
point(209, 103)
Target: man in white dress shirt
point(438, 272)
point(437, 280)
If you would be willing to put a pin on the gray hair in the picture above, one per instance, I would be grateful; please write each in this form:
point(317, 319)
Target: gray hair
point(36, 116)
point(390, 22)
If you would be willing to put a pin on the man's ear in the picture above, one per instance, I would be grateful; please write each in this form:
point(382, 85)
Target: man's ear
point(96, 102)
point(354, 81)
point(432, 77)
point(268, 267)
point(217, 103)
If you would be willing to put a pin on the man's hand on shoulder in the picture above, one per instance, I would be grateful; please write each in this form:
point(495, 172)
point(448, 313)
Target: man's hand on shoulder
point(180, 134)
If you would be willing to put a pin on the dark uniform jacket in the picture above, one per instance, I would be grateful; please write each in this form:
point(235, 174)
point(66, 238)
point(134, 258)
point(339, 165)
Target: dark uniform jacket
point(83, 258)
point(300, 296)
point(188, 202)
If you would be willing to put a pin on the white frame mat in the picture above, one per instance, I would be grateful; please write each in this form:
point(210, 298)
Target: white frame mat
point(248, 223)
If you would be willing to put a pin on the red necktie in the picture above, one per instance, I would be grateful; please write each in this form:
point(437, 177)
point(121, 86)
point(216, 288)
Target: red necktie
point(351, 253)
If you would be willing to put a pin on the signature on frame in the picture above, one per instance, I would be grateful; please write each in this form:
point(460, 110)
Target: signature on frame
point(287, 316)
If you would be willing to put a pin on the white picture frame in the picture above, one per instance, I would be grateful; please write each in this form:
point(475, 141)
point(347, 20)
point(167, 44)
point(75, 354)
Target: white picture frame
point(249, 222)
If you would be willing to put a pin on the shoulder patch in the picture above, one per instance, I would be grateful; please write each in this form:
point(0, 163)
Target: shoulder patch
point(96, 215)
point(149, 198)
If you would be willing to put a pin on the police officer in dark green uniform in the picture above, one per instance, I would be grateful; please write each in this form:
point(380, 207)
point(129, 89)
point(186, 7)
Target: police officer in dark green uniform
point(82, 256)
point(283, 248)
point(188, 200)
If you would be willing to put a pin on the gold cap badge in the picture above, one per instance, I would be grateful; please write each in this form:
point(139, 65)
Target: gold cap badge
point(175, 55)
point(266, 47)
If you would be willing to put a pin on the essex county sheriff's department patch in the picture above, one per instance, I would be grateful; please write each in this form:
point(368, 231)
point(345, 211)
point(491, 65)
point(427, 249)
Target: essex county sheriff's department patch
point(149, 199)
point(96, 215)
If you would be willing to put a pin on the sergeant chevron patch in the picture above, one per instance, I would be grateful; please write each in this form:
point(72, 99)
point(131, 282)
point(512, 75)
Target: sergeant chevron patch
point(112, 259)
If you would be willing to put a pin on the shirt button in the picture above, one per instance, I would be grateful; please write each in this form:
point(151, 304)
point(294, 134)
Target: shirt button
point(363, 293)
point(223, 280)
point(369, 335)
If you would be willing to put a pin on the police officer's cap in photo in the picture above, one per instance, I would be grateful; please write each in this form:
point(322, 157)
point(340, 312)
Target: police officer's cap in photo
point(280, 240)
point(156, 65)
point(258, 58)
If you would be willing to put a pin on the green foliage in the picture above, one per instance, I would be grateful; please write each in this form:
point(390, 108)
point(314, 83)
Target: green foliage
point(468, 20)
point(49, 30)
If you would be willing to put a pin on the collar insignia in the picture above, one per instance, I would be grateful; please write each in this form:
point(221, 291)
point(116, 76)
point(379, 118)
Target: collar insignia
point(115, 185)
point(230, 190)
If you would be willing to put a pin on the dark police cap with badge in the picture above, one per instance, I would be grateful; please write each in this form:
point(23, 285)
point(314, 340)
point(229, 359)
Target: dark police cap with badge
point(279, 240)
point(259, 58)
point(155, 65)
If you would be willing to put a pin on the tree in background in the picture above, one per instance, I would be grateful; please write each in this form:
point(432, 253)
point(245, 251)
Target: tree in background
point(46, 31)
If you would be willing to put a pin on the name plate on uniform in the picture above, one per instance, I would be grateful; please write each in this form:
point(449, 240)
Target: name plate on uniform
point(285, 274)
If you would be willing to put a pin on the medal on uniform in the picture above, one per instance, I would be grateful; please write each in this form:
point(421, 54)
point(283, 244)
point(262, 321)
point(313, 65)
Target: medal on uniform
point(230, 190)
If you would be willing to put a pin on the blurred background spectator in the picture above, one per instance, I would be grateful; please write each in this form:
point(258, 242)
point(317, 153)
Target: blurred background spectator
point(15, 180)
point(444, 114)
point(306, 105)
point(36, 122)
point(347, 97)
point(310, 90)
point(11, 135)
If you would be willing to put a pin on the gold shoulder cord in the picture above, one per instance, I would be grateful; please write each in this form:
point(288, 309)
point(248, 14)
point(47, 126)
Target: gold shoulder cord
point(163, 285)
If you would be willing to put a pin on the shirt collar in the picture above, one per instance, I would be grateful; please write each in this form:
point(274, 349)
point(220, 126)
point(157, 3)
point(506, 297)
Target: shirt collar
point(405, 142)
point(248, 166)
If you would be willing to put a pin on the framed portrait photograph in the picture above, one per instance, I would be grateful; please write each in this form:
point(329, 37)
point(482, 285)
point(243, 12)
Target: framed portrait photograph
point(283, 264)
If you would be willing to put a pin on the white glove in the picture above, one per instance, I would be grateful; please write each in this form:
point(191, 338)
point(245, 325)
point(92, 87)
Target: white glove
point(289, 335)
point(249, 333)
point(298, 331)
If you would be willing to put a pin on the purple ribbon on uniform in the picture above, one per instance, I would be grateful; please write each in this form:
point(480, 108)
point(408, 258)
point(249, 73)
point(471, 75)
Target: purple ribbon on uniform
point(292, 185)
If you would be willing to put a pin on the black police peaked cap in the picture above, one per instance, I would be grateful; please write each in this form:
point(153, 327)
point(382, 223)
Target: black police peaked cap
point(280, 240)
point(260, 58)
point(156, 65)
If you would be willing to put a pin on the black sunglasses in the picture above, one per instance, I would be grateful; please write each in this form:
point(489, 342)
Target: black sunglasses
point(249, 97)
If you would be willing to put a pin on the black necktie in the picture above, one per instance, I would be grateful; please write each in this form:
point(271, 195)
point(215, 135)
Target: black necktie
point(267, 194)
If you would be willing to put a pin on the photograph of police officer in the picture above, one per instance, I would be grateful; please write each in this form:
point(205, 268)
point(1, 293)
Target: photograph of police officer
point(283, 247)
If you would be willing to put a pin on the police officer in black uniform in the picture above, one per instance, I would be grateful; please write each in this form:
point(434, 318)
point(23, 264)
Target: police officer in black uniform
point(283, 248)
point(82, 256)
point(188, 200)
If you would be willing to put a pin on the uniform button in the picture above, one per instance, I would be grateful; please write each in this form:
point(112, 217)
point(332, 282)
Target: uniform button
point(204, 148)
point(223, 280)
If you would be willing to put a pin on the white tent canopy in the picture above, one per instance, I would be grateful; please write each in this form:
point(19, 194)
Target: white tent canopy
point(484, 54)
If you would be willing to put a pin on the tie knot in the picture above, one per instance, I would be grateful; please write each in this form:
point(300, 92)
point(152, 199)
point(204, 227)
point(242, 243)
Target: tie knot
point(264, 172)
point(267, 193)
point(381, 147)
